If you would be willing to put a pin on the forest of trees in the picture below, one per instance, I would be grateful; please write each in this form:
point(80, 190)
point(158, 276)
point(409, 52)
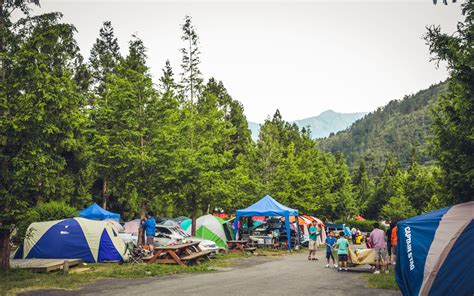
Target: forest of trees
point(397, 129)
point(75, 131)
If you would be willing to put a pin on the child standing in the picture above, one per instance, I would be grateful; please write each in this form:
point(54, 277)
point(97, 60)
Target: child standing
point(330, 241)
point(342, 250)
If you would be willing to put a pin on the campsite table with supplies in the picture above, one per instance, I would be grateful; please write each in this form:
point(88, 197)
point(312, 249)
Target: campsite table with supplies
point(182, 254)
point(239, 245)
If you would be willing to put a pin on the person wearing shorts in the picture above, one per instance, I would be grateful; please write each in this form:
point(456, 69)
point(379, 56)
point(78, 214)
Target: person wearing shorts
point(149, 225)
point(330, 242)
point(377, 236)
point(313, 238)
point(342, 250)
point(394, 241)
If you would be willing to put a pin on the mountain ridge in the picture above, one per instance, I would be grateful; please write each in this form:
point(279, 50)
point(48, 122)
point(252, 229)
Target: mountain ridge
point(401, 129)
point(321, 125)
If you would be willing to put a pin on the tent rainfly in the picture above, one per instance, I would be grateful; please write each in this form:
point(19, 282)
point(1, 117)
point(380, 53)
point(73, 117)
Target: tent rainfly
point(95, 212)
point(210, 227)
point(267, 206)
point(433, 252)
point(74, 238)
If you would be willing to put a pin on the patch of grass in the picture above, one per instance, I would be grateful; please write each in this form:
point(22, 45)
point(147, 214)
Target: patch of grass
point(382, 281)
point(20, 280)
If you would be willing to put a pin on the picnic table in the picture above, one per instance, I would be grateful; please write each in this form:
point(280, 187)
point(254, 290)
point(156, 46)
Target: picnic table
point(182, 254)
point(239, 245)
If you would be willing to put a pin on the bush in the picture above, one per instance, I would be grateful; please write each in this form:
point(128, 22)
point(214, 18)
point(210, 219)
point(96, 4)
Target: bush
point(364, 226)
point(55, 210)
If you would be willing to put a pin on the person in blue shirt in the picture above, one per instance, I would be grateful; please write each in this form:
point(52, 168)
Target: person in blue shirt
point(330, 241)
point(149, 225)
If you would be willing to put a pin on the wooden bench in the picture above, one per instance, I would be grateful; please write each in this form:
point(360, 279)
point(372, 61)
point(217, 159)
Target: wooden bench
point(43, 265)
point(195, 257)
point(250, 249)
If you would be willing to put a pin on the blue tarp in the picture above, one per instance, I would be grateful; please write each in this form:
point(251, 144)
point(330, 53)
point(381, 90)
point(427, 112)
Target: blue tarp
point(267, 206)
point(347, 231)
point(434, 254)
point(95, 212)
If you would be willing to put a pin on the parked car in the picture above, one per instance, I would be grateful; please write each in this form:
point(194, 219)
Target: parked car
point(166, 235)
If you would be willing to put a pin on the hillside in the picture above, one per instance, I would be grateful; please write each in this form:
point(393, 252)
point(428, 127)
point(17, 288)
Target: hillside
point(394, 129)
point(321, 125)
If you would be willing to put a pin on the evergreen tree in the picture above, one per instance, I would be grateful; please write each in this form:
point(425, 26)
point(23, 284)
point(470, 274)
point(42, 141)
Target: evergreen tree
point(191, 77)
point(342, 189)
point(105, 54)
point(168, 85)
point(386, 186)
point(363, 187)
point(453, 116)
point(41, 121)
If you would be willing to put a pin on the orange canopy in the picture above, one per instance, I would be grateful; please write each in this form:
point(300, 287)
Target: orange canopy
point(311, 218)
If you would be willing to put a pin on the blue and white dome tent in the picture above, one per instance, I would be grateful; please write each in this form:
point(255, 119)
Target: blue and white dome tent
point(434, 252)
point(74, 238)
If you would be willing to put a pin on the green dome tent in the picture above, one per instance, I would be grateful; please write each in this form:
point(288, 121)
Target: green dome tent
point(210, 227)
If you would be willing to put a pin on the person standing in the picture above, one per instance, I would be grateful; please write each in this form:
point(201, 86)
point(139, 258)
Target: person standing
point(389, 241)
point(394, 241)
point(330, 241)
point(342, 250)
point(313, 241)
point(377, 236)
point(149, 225)
point(353, 232)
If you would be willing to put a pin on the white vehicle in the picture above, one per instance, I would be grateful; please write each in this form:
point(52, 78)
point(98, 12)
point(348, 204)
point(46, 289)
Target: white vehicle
point(169, 234)
point(166, 235)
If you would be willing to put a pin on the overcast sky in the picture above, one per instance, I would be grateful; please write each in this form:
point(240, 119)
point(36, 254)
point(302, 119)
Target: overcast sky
point(300, 57)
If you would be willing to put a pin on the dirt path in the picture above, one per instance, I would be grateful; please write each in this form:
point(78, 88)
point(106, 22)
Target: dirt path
point(292, 274)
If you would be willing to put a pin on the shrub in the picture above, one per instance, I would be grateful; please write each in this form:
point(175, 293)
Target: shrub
point(55, 210)
point(364, 226)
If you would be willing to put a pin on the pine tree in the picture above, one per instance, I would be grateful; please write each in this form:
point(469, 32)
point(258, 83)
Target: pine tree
point(191, 77)
point(167, 83)
point(363, 187)
point(453, 117)
point(42, 122)
point(104, 56)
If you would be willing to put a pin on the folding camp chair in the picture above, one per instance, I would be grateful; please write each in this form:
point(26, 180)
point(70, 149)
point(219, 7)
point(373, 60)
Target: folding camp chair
point(135, 254)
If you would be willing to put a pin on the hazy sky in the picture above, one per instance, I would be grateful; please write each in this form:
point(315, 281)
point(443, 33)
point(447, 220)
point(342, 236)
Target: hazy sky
point(300, 57)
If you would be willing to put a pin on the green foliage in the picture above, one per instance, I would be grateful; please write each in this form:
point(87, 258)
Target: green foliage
point(54, 210)
point(397, 208)
point(364, 226)
point(42, 118)
point(72, 133)
point(393, 130)
point(453, 114)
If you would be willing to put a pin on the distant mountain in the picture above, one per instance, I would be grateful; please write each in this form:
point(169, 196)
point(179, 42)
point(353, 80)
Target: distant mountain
point(322, 125)
point(401, 128)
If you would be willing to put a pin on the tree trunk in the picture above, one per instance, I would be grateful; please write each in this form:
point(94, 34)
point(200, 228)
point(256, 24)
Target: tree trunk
point(4, 249)
point(141, 231)
point(104, 193)
point(193, 217)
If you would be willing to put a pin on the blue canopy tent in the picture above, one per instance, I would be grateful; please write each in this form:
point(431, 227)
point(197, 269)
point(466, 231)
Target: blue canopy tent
point(95, 212)
point(267, 206)
point(434, 252)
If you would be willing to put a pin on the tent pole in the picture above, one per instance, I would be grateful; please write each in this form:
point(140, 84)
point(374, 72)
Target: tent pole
point(298, 229)
point(288, 231)
point(236, 226)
